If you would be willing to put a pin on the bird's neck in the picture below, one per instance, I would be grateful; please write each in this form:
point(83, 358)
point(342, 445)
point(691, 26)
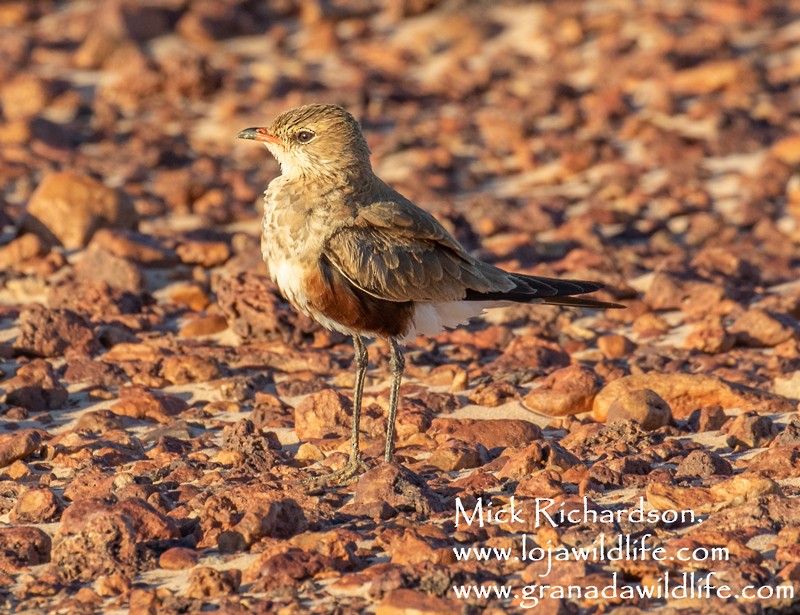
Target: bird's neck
point(338, 176)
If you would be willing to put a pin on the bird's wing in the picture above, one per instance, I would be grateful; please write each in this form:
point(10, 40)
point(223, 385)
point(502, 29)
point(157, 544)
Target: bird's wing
point(398, 252)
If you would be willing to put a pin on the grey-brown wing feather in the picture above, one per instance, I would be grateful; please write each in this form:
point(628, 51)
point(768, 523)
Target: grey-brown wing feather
point(398, 252)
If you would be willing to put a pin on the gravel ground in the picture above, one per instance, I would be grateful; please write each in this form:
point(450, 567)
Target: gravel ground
point(160, 403)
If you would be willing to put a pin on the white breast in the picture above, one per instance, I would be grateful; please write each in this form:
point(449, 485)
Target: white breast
point(288, 277)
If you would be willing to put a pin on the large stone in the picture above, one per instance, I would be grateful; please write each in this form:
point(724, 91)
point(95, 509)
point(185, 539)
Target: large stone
point(18, 445)
point(21, 249)
point(567, 391)
point(98, 264)
point(687, 392)
point(68, 207)
point(757, 327)
point(52, 333)
point(255, 311)
point(491, 433)
point(95, 538)
point(23, 546)
point(35, 387)
point(643, 405)
point(24, 96)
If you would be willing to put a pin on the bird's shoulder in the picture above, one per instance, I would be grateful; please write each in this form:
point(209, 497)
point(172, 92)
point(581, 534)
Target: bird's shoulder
point(391, 215)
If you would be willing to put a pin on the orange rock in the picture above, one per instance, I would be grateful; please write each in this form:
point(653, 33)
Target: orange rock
point(178, 558)
point(615, 346)
point(569, 390)
point(206, 325)
point(67, 208)
point(709, 77)
point(410, 602)
point(788, 149)
point(687, 392)
point(643, 406)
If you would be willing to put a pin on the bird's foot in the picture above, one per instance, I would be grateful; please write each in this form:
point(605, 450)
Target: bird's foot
point(340, 478)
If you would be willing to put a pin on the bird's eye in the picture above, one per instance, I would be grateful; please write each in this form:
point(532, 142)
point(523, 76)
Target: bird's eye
point(304, 136)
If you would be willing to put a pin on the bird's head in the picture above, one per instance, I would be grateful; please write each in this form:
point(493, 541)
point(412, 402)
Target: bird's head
point(315, 141)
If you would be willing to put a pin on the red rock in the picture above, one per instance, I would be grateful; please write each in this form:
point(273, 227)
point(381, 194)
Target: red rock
point(709, 335)
point(133, 352)
point(207, 582)
point(98, 265)
point(178, 558)
point(266, 515)
point(709, 418)
point(95, 538)
point(455, 455)
point(542, 484)
point(93, 297)
point(67, 208)
point(93, 484)
point(255, 312)
point(407, 601)
point(687, 392)
point(185, 368)
point(788, 149)
point(710, 76)
point(535, 457)
point(703, 464)
point(412, 546)
point(24, 96)
point(21, 249)
point(322, 414)
point(491, 433)
point(329, 413)
point(18, 445)
point(493, 394)
point(192, 296)
point(644, 406)
point(287, 569)
point(101, 421)
point(82, 368)
point(113, 584)
point(36, 506)
point(389, 488)
point(23, 546)
point(133, 20)
point(139, 403)
point(133, 246)
point(51, 333)
point(780, 462)
point(749, 430)
point(670, 292)
point(570, 390)
point(615, 346)
point(206, 253)
point(206, 325)
point(531, 353)
point(758, 327)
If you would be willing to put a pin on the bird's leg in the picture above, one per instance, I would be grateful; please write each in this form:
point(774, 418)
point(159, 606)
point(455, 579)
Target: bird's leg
point(397, 364)
point(354, 463)
point(361, 362)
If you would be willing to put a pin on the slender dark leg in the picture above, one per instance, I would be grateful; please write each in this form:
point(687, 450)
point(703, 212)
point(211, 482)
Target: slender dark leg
point(397, 363)
point(361, 362)
point(354, 463)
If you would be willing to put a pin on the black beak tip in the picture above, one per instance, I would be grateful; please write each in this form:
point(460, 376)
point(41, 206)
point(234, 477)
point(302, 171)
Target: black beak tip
point(247, 133)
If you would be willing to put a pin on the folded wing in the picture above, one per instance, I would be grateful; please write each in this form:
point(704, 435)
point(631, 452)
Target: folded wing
point(398, 252)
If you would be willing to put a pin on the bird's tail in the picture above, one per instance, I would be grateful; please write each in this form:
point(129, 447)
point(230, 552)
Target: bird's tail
point(550, 291)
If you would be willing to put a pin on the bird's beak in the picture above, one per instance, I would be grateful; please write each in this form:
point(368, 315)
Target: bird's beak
point(259, 134)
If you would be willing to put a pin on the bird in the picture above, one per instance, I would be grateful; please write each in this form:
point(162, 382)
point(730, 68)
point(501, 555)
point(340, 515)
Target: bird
point(349, 251)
